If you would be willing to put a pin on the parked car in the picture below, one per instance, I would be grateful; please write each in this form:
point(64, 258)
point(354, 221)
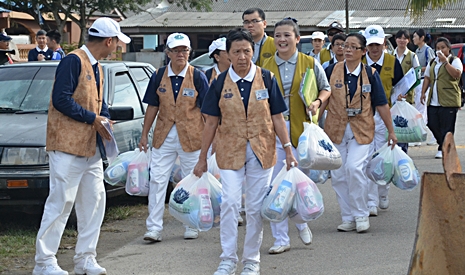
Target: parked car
point(305, 45)
point(24, 101)
point(202, 62)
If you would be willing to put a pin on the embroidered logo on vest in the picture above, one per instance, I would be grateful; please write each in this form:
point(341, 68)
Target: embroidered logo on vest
point(162, 90)
point(338, 84)
point(266, 55)
point(408, 63)
point(88, 76)
point(387, 68)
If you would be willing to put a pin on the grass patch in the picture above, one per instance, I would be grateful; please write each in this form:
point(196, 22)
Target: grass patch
point(118, 213)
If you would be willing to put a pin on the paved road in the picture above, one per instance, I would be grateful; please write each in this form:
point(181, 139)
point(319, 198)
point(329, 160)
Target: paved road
point(384, 249)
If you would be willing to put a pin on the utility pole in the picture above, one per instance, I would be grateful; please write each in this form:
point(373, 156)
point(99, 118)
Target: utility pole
point(347, 16)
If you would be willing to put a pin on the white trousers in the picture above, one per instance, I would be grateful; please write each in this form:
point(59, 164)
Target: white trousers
point(73, 180)
point(257, 184)
point(161, 166)
point(350, 181)
point(375, 191)
point(280, 229)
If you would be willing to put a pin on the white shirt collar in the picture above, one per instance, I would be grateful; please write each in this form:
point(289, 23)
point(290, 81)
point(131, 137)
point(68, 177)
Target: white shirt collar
point(357, 70)
point(40, 50)
point(335, 60)
point(216, 69)
point(379, 62)
point(249, 77)
point(182, 73)
point(92, 59)
point(403, 54)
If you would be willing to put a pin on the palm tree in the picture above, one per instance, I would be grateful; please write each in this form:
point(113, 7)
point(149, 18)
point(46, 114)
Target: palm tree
point(418, 7)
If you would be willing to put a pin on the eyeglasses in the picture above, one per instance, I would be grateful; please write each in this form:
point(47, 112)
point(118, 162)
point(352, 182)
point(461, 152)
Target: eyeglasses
point(185, 51)
point(253, 21)
point(337, 45)
point(352, 48)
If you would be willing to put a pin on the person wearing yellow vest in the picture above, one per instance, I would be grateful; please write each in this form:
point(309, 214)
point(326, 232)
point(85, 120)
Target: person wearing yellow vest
point(289, 65)
point(356, 90)
point(217, 51)
point(390, 71)
point(246, 146)
point(75, 150)
point(318, 40)
point(254, 21)
point(442, 76)
point(326, 53)
point(174, 95)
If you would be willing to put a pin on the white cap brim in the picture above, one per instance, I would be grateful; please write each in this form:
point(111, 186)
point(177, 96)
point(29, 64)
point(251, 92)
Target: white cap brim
point(175, 44)
point(377, 40)
point(124, 38)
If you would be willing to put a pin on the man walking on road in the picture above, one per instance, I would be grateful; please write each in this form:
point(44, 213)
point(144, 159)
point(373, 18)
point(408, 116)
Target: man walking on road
point(74, 145)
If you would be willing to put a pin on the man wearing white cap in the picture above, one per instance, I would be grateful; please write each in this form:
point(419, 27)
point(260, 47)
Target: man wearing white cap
point(175, 93)
point(217, 51)
point(318, 40)
point(390, 72)
point(75, 149)
point(334, 28)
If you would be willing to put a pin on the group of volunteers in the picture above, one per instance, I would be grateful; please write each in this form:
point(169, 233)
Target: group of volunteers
point(195, 110)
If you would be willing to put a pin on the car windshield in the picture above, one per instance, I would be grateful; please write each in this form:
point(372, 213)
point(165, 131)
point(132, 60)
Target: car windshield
point(26, 88)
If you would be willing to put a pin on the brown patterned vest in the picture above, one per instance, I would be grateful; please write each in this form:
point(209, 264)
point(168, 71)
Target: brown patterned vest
point(213, 76)
point(363, 125)
point(237, 128)
point(71, 136)
point(184, 112)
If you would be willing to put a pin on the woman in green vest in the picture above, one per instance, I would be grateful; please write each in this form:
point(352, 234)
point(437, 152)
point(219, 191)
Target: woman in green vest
point(442, 76)
point(289, 66)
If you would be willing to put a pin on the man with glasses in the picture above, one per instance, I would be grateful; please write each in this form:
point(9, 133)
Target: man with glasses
point(390, 71)
point(338, 48)
point(175, 93)
point(334, 28)
point(254, 21)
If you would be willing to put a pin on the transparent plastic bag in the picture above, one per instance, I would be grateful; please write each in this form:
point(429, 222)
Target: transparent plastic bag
point(213, 167)
point(111, 148)
point(191, 203)
point(408, 123)
point(308, 201)
point(137, 181)
point(117, 171)
point(278, 201)
point(316, 151)
point(318, 176)
point(406, 175)
point(380, 168)
point(176, 173)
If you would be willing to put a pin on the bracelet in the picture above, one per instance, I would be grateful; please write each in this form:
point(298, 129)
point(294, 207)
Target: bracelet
point(286, 145)
point(321, 102)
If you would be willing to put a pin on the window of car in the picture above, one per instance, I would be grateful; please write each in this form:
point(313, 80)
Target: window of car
point(126, 93)
point(142, 78)
point(26, 88)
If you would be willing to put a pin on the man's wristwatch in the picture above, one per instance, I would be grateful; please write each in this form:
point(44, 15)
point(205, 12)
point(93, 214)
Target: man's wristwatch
point(286, 145)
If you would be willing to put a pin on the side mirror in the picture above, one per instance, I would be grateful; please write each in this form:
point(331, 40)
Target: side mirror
point(121, 113)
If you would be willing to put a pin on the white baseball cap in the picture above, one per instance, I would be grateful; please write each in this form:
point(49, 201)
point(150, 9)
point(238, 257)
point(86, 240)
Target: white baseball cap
point(178, 39)
point(107, 27)
point(218, 44)
point(318, 35)
point(374, 34)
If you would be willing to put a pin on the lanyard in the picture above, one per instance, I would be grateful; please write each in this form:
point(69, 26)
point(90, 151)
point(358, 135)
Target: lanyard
point(346, 85)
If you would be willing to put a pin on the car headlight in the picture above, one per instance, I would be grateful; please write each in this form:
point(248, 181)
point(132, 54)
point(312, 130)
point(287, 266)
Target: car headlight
point(24, 156)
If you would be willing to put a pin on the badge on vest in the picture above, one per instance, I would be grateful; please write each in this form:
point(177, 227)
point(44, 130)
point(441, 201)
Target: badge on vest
point(366, 88)
point(88, 76)
point(188, 92)
point(338, 84)
point(261, 94)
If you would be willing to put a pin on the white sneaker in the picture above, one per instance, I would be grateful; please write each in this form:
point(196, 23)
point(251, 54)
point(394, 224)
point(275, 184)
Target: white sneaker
point(432, 142)
point(152, 236)
point(191, 233)
point(306, 235)
point(51, 269)
point(251, 269)
point(226, 267)
point(384, 202)
point(362, 224)
point(373, 211)
point(346, 226)
point(438, 155)
point(278, 249)
point(240, 220)
point(89, 266)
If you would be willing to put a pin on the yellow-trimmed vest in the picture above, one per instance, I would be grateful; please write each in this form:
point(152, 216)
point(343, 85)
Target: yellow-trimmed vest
point(71, 136)
point(448, 87)
point(237, 128)
point(184, 112)
point(297, 111)
point(386, 74)
point(325, 55)
point(267, 50)
point(407, 64)
point(363, 125)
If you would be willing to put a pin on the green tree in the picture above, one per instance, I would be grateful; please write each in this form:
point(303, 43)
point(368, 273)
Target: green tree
point(418, 7)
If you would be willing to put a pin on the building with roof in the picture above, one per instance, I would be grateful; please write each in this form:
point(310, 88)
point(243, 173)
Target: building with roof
point(150, 27)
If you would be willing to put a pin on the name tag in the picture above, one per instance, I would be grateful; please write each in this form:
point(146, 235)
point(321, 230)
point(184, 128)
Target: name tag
point(366, 88)
point(261, 94)
point(188, 92)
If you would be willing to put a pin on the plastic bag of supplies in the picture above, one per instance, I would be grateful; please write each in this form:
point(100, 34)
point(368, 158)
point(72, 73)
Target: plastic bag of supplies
point(117, 171)
point(406, 175)
point(137, 181)
point(176, 172)
point(278, 201)
point(213, 167)
point(318, 176)
point(316, 151)
point(408, 123)
point(308, 201)
point(380, 168)
point(195, 201)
